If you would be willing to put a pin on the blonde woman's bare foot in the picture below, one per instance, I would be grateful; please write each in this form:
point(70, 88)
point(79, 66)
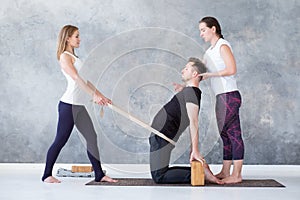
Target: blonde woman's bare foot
point(232, 179)
point(108, 179)
point(222, 175)
point(210, 177)
point(51, 179)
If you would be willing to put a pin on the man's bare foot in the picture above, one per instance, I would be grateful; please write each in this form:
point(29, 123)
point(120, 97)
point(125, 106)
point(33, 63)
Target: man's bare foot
point(222, 175)
point(210, 177)
point(51, 179)
point(108, 179)
point(232, 179)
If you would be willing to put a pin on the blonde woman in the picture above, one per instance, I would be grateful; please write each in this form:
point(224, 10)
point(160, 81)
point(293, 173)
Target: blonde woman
point(72, 113)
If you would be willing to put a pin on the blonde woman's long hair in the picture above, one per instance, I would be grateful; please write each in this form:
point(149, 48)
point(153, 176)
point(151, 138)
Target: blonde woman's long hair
point(66, 32)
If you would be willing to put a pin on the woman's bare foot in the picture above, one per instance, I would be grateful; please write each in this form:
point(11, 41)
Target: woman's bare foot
point(222, 175)
point(210, 177)
point(108, 179)
point(232, 179)
point(51, 179)
point(236, 176)
point(225, 171)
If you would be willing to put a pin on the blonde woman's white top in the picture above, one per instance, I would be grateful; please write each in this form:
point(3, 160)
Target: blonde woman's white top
point(214, 63)
point(72, 91)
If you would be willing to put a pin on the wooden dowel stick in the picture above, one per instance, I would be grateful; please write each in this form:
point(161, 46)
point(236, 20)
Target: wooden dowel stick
point(139, 122)
point(132, 118)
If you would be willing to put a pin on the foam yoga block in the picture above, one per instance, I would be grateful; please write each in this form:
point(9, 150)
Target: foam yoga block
point(197, 176)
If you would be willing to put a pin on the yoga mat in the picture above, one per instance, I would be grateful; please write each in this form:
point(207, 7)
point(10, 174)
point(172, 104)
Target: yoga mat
point(150, 182)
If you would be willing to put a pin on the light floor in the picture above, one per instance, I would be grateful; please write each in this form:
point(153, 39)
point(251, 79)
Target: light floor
point(22, 181)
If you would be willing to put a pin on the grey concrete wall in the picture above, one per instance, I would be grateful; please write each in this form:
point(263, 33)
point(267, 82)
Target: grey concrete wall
point(133, 50)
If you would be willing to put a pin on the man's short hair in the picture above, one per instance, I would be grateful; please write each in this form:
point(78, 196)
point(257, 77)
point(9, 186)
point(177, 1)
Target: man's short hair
point(198, 65)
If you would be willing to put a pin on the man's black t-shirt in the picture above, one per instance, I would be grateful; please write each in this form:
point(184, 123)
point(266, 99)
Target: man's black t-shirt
point(173, 119)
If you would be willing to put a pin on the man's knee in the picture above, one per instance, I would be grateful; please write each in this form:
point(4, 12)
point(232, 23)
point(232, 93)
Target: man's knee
point(156, 176)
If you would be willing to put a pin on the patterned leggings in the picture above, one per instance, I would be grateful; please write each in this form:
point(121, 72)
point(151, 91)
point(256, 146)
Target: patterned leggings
point(227, 114)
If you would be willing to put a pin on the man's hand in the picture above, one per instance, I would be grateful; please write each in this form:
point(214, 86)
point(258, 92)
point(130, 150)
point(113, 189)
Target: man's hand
point(195, 155)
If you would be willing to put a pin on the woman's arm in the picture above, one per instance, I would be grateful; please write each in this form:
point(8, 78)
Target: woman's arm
point(90, 85)
point(66, 63)
point(229, 62)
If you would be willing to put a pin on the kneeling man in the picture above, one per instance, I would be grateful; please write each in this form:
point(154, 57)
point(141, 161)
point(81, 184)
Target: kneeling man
point(179, 113)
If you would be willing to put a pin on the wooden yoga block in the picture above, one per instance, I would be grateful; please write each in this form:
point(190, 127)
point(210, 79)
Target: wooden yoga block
point(197, 176)
point(82, 168)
